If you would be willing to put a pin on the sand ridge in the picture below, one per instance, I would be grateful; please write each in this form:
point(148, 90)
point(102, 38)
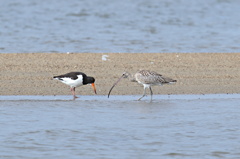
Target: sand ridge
point(196, 73)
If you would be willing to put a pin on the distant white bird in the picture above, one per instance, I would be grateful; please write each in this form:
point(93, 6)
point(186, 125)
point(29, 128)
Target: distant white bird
point(76, 79)
point(147, 79)
point(104, 57)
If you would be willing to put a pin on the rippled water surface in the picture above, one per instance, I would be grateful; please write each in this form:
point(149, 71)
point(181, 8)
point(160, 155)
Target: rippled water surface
point(119, 26)
point(93, 127)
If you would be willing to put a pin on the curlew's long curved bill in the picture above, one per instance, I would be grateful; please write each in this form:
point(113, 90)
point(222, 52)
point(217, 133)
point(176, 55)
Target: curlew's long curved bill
point(115, 85)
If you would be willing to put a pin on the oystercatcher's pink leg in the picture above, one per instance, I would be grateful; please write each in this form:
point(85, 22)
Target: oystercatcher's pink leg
point(73, 93)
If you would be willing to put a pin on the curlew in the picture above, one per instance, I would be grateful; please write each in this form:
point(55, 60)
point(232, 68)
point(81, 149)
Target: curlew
point(147, 79)
point(76, 79)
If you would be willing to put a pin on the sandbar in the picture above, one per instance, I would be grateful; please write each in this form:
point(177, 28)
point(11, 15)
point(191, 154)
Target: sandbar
point(196, 73)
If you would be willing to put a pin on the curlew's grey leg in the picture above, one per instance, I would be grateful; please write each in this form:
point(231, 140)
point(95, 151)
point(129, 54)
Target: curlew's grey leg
point(144, 94)
point(151, 93)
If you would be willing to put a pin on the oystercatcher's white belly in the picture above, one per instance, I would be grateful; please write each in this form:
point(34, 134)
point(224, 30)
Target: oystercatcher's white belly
point(73, 83)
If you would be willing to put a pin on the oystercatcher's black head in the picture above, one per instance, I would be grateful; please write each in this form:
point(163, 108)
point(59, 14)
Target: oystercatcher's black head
point(90, 80)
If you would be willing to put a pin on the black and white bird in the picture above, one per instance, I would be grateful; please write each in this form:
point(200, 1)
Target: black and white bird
point(76, 79)
point(147, 79)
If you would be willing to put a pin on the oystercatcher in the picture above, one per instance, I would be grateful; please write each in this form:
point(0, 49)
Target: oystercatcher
point(147, 79)
point(76, 79)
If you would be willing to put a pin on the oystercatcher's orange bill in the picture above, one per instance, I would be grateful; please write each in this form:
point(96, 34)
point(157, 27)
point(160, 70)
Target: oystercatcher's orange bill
point(94, 88)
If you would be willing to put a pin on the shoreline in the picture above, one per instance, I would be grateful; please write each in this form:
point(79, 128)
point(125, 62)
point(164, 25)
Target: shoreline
point(196, 73)
point(159, 97)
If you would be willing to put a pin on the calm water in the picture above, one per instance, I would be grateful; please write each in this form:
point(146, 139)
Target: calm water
point(119, 26)
point(178, 127)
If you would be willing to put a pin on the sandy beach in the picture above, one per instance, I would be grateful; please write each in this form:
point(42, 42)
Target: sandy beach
point(196, 73)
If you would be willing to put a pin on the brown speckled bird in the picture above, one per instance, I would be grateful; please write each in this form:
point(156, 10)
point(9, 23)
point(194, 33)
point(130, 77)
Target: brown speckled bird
point(147, 79)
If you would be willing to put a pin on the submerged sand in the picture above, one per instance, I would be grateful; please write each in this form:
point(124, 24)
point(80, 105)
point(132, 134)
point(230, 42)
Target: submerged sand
point(196, 73)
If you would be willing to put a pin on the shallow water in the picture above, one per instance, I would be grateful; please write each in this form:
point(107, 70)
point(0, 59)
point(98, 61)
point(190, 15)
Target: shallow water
point(119, 26)
point(178, 126)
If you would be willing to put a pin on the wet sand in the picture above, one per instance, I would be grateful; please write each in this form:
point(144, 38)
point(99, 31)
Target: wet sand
point(197, 73)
